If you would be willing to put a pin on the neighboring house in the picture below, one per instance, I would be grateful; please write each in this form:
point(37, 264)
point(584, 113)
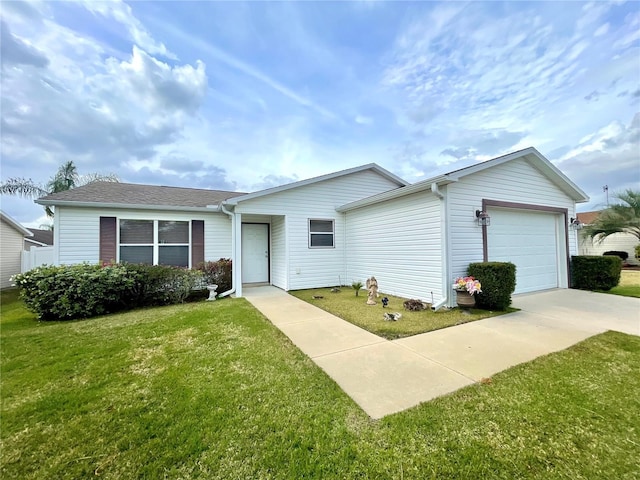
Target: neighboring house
point(12, 236)
point(621, 242)
point(40, 238)
point(340, 227)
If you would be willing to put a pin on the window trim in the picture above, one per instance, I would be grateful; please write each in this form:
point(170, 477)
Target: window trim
point(332, 233)
point(156, 245)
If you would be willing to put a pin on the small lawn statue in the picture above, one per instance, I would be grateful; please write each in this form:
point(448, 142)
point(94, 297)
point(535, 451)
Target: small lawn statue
point(372, 286)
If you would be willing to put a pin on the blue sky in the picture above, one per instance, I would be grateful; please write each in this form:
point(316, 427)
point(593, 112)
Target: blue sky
point(243, 96)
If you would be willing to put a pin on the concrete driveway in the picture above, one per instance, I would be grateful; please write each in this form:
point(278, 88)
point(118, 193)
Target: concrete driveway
point(385, 377)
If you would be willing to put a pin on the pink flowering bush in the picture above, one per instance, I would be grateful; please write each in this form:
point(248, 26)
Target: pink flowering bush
point(469, 284)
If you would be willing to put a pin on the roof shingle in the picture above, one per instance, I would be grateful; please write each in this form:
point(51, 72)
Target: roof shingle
point(134, 194)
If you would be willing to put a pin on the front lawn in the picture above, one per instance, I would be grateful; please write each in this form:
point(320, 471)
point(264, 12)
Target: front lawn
point(214, 390)
point(346, 305)
point(629, 285)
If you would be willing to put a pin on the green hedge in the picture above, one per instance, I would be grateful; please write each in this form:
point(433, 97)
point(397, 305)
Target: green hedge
point(595, 272)
point(82, 291)
point(498, 282)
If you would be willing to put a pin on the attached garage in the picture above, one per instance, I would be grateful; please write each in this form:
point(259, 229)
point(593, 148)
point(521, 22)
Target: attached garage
point(534, 240)
point(417, 239)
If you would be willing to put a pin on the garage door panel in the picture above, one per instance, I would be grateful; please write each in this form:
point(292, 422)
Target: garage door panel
point(529, 240)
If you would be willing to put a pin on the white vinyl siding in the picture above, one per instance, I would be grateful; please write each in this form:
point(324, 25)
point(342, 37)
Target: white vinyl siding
point(278, 253)
point(12, 243)
point(400, 243)
point(78, 231)
point(517, 182)
point(624, 242)
point(315, 267)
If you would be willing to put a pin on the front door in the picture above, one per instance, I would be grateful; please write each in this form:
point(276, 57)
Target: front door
point(255, 252)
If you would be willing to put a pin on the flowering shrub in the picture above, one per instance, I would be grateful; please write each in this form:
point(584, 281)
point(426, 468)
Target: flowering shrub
point(218, 273)
point(469, 284)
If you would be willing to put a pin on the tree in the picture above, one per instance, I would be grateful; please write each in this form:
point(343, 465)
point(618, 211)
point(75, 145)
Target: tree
point(623, 217)
point(65, 178)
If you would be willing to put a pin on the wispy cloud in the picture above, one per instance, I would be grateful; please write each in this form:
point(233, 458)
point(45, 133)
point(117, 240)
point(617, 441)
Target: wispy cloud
point(122, 13)
point(218, 54)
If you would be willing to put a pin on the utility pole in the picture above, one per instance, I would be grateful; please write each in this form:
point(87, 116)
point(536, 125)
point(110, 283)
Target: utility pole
point(605, 189)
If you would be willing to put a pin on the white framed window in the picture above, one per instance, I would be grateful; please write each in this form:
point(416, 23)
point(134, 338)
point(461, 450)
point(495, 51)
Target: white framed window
point(321, 233)
point(154, 242)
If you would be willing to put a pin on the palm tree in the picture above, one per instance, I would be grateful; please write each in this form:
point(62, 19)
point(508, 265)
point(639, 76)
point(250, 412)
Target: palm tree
point(622, 217)
point(65, 178)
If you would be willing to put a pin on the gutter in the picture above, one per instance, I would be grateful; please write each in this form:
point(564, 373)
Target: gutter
point(436, 191)
point(174, 208)
point(232, 217)
point(440, 304)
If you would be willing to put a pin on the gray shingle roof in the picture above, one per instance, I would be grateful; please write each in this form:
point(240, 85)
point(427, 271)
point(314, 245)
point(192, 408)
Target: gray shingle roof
point(133, 194)
point(41, 236)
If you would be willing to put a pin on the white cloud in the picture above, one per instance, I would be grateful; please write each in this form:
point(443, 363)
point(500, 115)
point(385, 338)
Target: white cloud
point(610, 155)
point(220, 55)
point(92, 108)
point(122, 13)
point(602, 30)
point(363, 120)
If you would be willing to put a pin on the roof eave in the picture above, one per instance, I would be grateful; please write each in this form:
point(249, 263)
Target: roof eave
point(16, 225)
point(128, 206)
point(531, 155)
point(309, 181)
point(395, 193)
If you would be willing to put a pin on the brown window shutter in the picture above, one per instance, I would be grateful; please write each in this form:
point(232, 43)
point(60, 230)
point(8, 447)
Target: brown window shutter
point(108, 239)
point(197, 242)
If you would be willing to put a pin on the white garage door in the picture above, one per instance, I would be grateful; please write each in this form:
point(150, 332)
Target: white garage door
point(529, 239)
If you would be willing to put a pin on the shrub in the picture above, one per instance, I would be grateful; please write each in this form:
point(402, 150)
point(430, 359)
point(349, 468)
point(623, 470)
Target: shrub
point(218, 273)
point(160, 284)
point(617, 253)
point(498, 281)
point(75, 291)
point(83, 291)
point(595, 272)
point(638, 251)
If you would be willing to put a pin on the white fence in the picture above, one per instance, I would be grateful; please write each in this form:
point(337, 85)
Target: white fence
point(35, 257)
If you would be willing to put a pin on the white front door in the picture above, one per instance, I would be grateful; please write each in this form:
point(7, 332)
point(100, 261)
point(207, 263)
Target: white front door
point(255, 252)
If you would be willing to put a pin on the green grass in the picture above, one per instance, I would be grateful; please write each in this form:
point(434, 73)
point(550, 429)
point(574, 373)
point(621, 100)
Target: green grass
point(629, 285)
point(347, 306)
point(213, 390)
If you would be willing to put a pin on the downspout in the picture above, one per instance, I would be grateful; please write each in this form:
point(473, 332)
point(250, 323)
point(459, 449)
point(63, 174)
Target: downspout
point(232, 217)
point(437, 306)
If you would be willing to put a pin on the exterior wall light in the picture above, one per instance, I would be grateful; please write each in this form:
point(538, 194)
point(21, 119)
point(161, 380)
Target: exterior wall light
point(483, 217)
point(575, 224)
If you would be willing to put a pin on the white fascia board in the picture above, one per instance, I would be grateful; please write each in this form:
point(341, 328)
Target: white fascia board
point(40, 244)
point(15, 224)
point(322, 178)
point(395, 193)
point(129, 206)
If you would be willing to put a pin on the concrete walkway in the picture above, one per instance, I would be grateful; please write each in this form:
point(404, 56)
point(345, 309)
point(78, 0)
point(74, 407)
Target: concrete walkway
point(385, 377)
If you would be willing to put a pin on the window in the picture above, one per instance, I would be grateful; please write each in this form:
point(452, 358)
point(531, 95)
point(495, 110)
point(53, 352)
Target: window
point(154, 242)
point(136, 241)
point(321, 233)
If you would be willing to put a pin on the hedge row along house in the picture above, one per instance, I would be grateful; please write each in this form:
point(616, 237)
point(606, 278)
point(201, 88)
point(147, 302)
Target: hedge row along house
point(340, 227)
